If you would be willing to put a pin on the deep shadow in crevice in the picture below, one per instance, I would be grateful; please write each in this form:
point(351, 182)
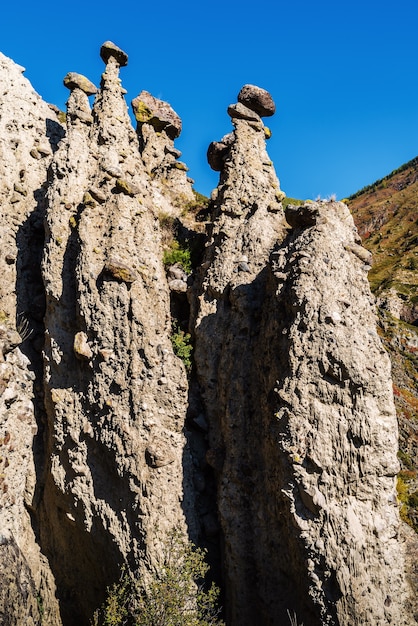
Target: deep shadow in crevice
point(54, 132)
point(30, 299)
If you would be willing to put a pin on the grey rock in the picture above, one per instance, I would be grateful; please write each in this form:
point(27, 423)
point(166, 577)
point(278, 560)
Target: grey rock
point(243, 266)
point(302, 216)
point(82, 349)
point(218, 150)
point(150, 110)
point(119, 271)
point(111, 50)
point(257, 99)
point(176, 272)
point(179, 286)
point(72, 80)
point(241, 112)
point(127, 187)
point(216, 154)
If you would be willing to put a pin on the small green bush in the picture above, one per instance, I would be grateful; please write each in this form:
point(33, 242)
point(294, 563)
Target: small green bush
point(175, 596)
point(182, 346)
point(294, 201)
point(178, 254)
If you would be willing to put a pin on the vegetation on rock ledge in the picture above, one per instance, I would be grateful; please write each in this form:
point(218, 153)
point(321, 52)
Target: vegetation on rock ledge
point(175, 595)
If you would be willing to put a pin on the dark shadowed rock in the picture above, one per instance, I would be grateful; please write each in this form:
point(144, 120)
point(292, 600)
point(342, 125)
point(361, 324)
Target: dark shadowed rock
point(150, 110)
point(258, 100)
point(109, 49)
point(116, 270)
point(301, 216)
point(217, 152)
point(73, 81)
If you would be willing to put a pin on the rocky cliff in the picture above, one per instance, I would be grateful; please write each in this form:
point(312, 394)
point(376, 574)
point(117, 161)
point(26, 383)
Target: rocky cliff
point(277, 451)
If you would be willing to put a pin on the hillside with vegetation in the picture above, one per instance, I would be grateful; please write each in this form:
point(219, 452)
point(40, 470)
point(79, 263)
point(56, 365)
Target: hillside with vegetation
point(386, 215)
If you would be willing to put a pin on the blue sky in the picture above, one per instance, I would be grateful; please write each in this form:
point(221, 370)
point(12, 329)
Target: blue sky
point(343, 74)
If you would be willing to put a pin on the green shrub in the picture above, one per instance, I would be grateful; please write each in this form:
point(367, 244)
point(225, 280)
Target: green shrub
point(294, 201)
point(175, 595)
point(182, 346)
point(178, 254)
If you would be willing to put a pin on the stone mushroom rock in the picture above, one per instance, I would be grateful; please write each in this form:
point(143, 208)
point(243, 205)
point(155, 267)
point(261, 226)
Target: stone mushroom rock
point(72, 80)
point(258, 100)
point(109, 49)
point(150, 110)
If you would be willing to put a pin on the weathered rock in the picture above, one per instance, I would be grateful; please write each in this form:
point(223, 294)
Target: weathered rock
point(218, 151)
point(27, 124)
point(360, 252)
point(258, 100)
point(72, 80)
point(122, 410)
point(119, 271)
point(159, 114)
point(158, 126)
point(296, 397)
point(179, 286)
point(111, 50)
point(304, 382)
point(241, 112)
point(82, 349)
point(127, 187)
point(302, 216)
point(9, 339)
point(176, 272)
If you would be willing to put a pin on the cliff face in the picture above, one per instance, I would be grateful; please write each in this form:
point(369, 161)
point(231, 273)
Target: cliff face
point(29, 133)
point(297, 391)
point(290, 380)
point(118, 472)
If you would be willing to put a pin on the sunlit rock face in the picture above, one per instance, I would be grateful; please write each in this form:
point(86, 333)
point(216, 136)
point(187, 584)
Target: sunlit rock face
point(286, 425)
point(297, 390)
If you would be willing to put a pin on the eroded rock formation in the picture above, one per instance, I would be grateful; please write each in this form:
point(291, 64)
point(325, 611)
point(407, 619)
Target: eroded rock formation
point(297, 391)
point(291, 390)
point(119, 474)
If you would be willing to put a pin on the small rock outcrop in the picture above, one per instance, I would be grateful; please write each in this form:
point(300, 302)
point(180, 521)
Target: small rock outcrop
point(258, 100)
point(158, 125)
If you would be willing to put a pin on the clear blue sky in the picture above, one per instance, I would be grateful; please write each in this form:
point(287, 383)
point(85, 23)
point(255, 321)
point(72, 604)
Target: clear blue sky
point(343, 74)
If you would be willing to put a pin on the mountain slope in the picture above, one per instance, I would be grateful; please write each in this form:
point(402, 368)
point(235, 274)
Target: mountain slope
point(386, 215)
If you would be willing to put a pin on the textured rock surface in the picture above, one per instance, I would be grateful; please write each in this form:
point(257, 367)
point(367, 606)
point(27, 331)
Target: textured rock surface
point(293, 392)
point(158, 126)
point(72, 80)
point(119, 473)
point(297, 393)
point(29, 132)
point(159, 114)
point(257, 99)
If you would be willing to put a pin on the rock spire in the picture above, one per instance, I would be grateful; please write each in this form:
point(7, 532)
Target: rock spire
point(285, 423)
point(297, 395)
